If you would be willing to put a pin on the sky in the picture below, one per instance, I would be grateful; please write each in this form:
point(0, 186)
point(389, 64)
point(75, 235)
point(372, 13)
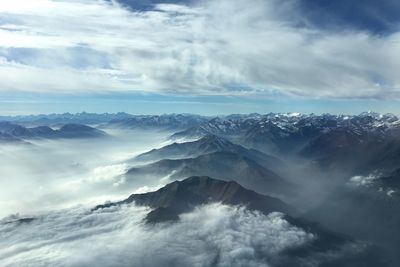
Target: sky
point(199, 56)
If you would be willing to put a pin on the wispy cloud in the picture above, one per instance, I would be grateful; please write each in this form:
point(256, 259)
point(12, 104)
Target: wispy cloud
point(213, 47)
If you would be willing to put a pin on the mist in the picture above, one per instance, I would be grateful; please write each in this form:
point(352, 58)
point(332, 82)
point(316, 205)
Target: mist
point(50, 174)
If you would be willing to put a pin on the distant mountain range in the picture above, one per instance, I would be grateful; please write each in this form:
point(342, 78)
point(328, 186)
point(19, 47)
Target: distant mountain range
point(285, 133)
point(366, 142)
point(65, 118)
point(165, 122)
point(11, 132)
point(274, 133)
point(355, 144)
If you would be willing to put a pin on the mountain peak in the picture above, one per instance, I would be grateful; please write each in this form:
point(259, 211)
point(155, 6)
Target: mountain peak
point(207, 144)
point(75, 127)
point(182, 196)
point(216, 141)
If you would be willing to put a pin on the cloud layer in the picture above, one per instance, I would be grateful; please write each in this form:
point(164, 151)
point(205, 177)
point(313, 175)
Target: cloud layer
point(211, 47)
point(52, 174)
point(211, 235)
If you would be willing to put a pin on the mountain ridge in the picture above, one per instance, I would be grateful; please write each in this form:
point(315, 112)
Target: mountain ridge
point(45, 132)
point(206, 145)
point(223, 165)
point(181, 196)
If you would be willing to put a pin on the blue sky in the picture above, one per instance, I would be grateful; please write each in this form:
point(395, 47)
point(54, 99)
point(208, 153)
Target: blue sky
point(208, 56)
point(206, 105)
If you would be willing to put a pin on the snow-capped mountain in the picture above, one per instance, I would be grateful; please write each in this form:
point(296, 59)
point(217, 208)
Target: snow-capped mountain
point(164, 122)
point(284, 133)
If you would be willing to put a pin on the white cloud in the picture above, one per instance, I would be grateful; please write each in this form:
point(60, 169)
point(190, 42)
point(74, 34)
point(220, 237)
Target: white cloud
point(214, 47)
point(109, 173)
point(360, 180)
point(215, 233)
point(390, 192)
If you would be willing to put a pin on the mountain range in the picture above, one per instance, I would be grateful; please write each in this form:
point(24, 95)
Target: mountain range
point(224, 165)
point(65, 118)
point(14, 132)
point(340, 171)
point(206, 145)
point(161, 122)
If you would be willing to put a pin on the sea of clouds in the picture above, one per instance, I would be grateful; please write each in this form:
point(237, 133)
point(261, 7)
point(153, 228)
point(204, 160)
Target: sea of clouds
point(210, 235)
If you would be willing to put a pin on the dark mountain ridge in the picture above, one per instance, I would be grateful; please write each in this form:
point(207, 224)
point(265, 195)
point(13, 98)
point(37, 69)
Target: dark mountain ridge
point(181, 196)
point(206, 145)
point(45, 132)
point(224, 165)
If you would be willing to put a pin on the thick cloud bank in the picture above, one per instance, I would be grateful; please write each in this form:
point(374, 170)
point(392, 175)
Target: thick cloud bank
point(209, 47)
point(211, 235)
point(53, 174)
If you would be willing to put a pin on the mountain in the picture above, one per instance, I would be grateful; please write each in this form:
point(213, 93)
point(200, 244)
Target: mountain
point(13, 131)
point(65, 118)
point(228, 127)
point(161, 122)
point(6, 138)
point(79, 131)
point(331, 249)
point(356, 150)
point(286, 134)
point(304, 134)
point(206, 145)
point(341, 147)
point(181, 196)
point(289, 133)
point(222, 165)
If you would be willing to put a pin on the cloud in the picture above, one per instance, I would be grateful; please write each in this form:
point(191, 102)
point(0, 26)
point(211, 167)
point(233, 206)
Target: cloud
point(374, 181)
point(380, 18)
point(208, 48)
point(360, 180)
point(211, 235)
point(109, 173)
point(53, 174)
